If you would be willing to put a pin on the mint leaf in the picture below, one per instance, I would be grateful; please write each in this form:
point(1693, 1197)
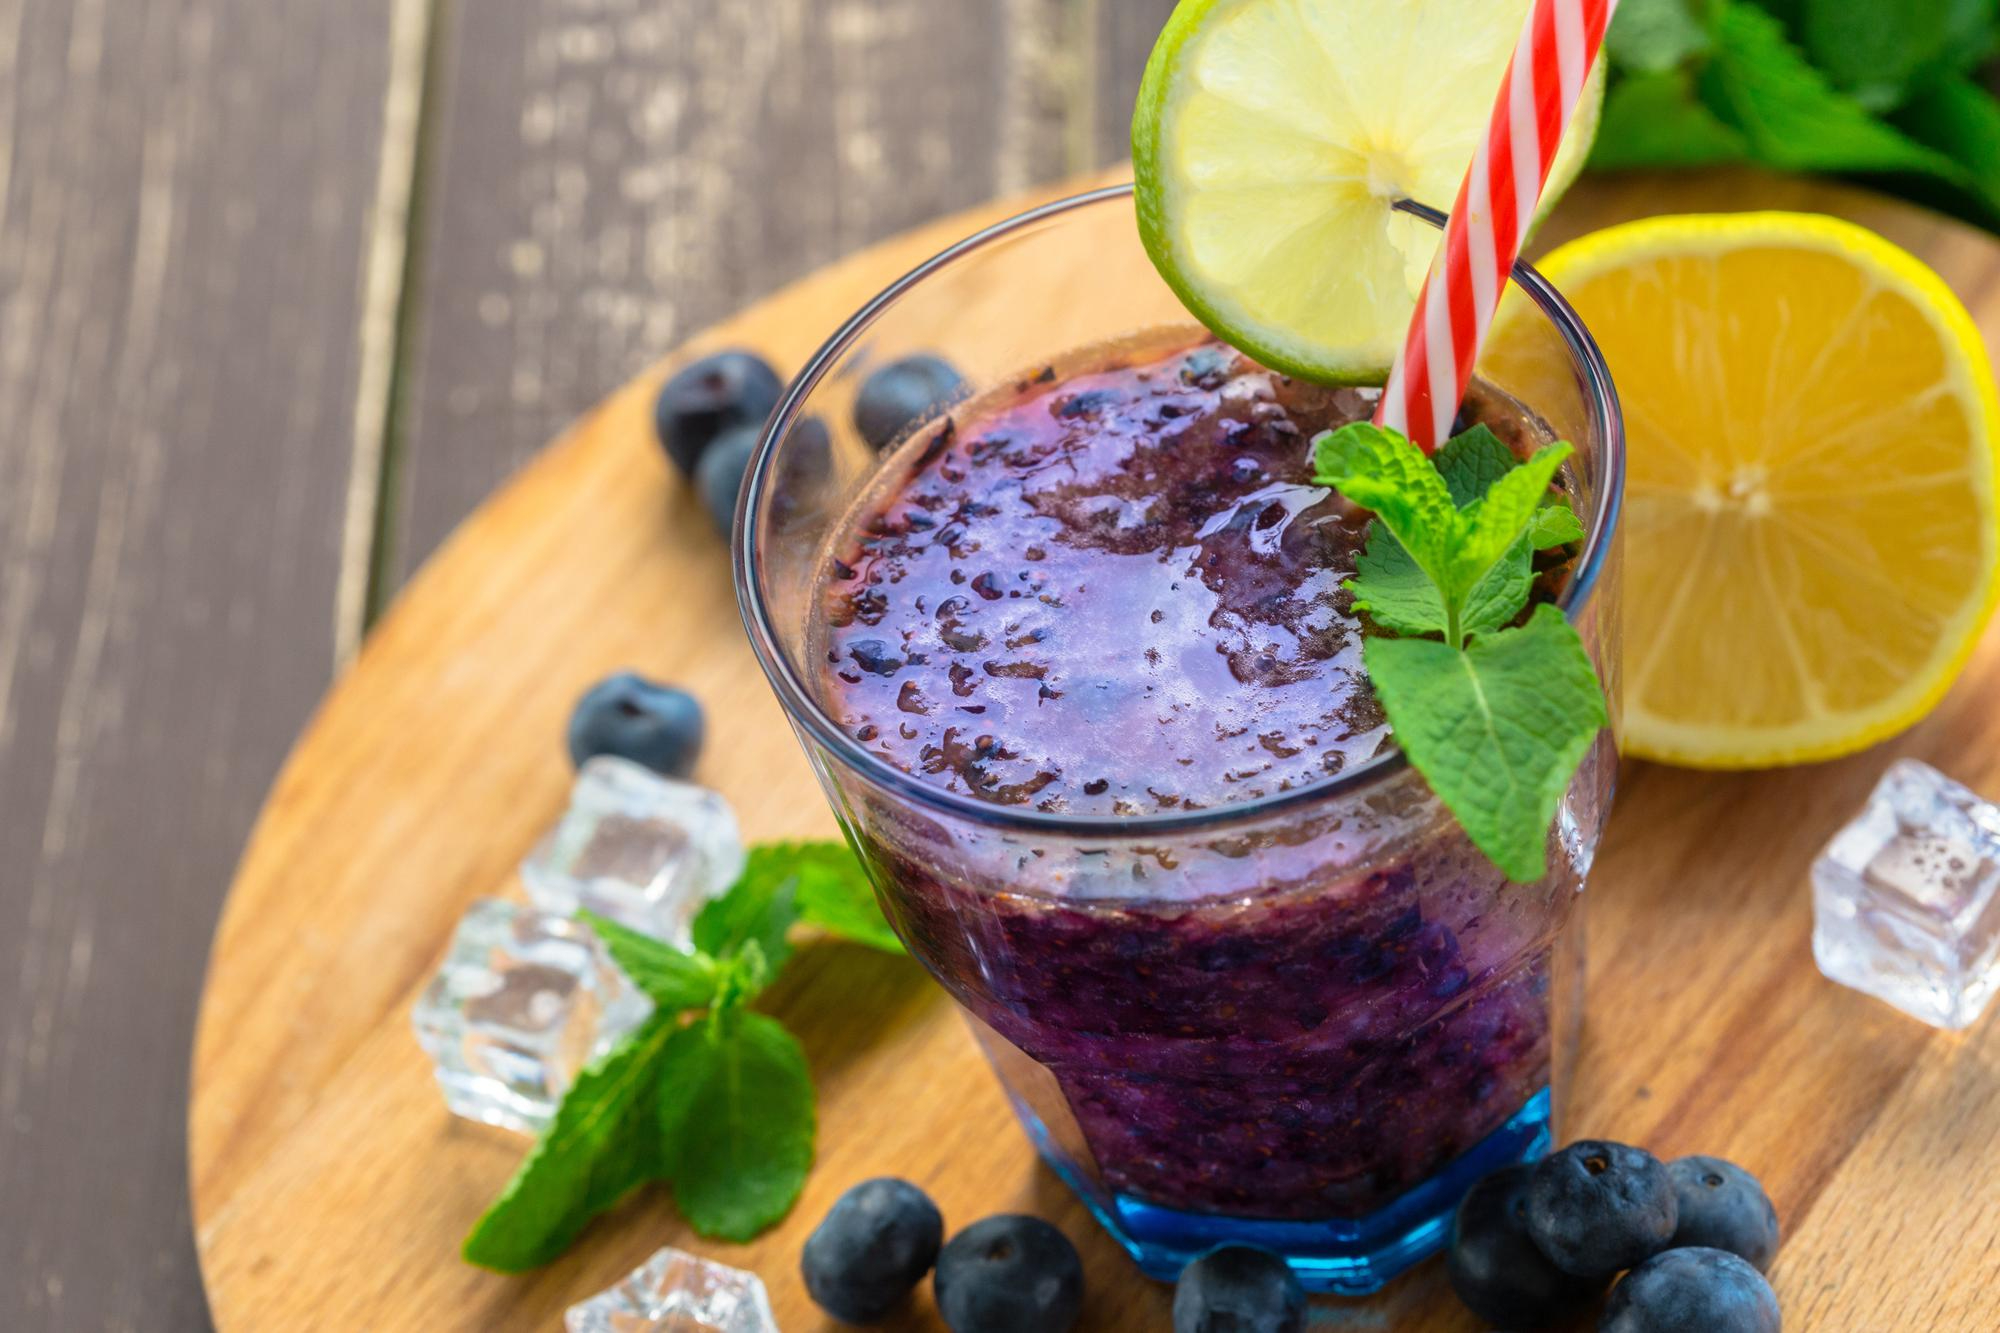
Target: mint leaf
point(1482, 586)
point(1401, 598)
point(1383, 471)
point(1472, 460)
point(1972, 30)
point(1490, 525)
point(724, 1106)
point(1388, 585)
point(760, 906)
point(821, 883)
point(1656, 120)
point(1962, 121)
point(743, 977)
point(1496, 729)
point(1872, 49)
point(1652, 35)
point(1501, 592)
point(602, 1142)
point(1793, 117)
point(736, 1106)
point(835, 894)
point(672, 978)
point(1554, 524)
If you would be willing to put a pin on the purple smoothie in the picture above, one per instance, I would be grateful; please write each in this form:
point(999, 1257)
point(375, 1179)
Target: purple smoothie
point(1112, 590)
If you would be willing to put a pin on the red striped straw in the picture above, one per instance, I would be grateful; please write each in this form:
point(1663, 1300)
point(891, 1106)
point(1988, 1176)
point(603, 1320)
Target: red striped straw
point(1545, 77)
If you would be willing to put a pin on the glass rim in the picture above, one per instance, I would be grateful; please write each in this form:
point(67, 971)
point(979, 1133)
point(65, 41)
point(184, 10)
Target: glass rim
point(804, 711)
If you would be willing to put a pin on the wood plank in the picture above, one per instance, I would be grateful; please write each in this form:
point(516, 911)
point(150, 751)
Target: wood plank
point(613, 175)
point(184, 193)
point(329, 1181)
point(1123, 35)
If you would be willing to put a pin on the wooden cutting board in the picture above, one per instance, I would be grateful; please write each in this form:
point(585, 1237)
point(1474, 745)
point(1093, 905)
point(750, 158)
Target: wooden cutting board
point(331, 1189)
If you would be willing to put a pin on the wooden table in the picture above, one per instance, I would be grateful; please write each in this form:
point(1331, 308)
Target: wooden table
point(331, 1189)
point(286, 286)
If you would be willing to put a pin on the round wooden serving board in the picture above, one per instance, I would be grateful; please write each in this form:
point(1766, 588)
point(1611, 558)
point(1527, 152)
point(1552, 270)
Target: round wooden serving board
point(331, 1189)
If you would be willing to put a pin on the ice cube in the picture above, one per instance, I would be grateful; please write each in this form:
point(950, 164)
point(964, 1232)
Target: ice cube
point(677, 1292)
point(523, 1001)
point(643, 850)
point(1906, 899)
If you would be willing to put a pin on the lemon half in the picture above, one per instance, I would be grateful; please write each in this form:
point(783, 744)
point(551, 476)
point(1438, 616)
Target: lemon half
point(1810, 531)
point(1272, 140)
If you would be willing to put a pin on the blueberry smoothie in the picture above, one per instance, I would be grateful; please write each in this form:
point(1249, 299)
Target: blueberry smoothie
point(1110, 590)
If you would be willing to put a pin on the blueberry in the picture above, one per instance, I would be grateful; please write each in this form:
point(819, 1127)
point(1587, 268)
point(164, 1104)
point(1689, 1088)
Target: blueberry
point(718, 477)
point(629, 716)
point(875, 656)
point(1722, 1207)
point(1009, 1274)
point(1496, 1268)
point(710, 396)
point(1692, 1291)
point(872, 1249)
point(1239, 1290)
point(900, 393)
point(1595, 1208)
point(1206, 367)
point(805, 470)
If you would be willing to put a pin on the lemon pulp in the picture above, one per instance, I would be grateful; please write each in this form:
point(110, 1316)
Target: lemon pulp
point(1810, 527)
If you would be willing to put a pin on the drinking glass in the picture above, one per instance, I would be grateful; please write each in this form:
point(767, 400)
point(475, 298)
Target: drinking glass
point(1306, 1022)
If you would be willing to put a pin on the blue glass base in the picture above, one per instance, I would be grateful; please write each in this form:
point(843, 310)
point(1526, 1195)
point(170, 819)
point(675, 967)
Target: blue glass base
point(1352, 1256)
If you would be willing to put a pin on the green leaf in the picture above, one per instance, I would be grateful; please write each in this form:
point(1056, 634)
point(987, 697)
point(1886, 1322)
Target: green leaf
point(1490, 525)
point(1383, 471)
point(1554, 524)
point(1972, 32)
point(1874, 49)
point(603, 1141)
point(1793, 117)
point(1496, 729)
point(736, 1104)
point(835, 894)
point(1962, 121)
point(1401, 598)
point(821, 883)
point(1501, 592)
point(723, 1106)
point(1486, 584)
point(744, 975)
point(673, 979)
point(760, 906)
point(1655, 120)
point(1388, 585)
point(1653, 35)
point(1471, 461)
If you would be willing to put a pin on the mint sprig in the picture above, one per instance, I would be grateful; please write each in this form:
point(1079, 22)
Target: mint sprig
point(736, 1120)
point(1810, 85)
point(1400, 596)
point(599, 1147)
point(1495, 715)
point(707, 1096)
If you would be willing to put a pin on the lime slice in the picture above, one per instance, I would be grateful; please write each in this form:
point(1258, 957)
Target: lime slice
point(1272, 140)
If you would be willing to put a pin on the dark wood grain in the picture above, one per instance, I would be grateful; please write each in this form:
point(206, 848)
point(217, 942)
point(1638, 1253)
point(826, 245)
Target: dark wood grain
point(185, 190)
point(1123, 32)
point(611, 175)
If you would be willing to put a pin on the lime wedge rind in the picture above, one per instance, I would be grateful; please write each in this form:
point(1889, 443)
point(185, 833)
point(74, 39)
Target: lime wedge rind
point(1271, 141)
